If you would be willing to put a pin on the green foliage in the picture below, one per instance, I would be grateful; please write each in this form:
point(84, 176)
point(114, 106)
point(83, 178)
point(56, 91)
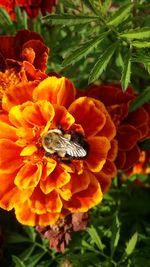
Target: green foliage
point(93, 41)
point(82, 22)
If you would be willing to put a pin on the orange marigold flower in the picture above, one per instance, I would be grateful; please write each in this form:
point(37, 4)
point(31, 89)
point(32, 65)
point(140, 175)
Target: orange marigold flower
point(15, 88)
point(32, 7)
point(131, 127)
point(41, 177)
point(26, 46)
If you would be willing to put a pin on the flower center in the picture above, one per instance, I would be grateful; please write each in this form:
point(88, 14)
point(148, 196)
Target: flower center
point(69, 145)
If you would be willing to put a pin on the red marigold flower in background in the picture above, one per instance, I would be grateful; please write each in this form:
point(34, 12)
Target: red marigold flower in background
point(32, 7)
point(131, 127)
point(9, 6)
point(25, 49)
point(41, 179)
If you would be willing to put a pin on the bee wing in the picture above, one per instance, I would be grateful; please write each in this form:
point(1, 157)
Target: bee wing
point(72, 149)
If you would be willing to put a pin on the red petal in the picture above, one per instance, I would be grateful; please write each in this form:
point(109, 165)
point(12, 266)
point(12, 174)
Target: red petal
point(127, 137)
point(98, 150)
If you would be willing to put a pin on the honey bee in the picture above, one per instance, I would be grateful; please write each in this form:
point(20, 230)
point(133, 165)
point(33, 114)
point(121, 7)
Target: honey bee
point(64, 145)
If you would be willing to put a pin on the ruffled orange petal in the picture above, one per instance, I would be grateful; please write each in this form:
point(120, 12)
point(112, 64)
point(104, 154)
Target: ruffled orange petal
point(89, 113)
point(18, 94)
point(104, 180)
point(48, 168)
point(28, 176)
point(26, 216)
point(83, 201)
point(98, 150)
point(7, 131)
point(38, 113)
point(109, 129)
point(16, 116)
point(56, 90)
point(77, 183)
point(9, 193)
point(32, 73)
point(127, 137)
point(109, 168)
point(58, 178)
point(62, 118)
point(41, 203)
point(10, 157)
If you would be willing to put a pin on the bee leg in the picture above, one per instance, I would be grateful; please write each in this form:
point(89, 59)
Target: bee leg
point(67, 136)
point(61, 154)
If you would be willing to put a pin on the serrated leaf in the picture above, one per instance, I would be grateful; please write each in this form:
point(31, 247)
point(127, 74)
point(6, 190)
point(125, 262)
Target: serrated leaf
point(83, 50)
point(88, 246)
point(139, 44)
point(67, 19)
point(5, 17)
point(32, 261)
point(16, 238)
point(30, 231)
point(120, 15)
point(147, 67)
point(21, 18)
point(27, 252)
point(95, 237)
point(131, 244)
point(136, 33)
point(17, 261)
point(115, 235)
point(102, 63)
point(143, 98)
point(126, 73)
point(141, 58)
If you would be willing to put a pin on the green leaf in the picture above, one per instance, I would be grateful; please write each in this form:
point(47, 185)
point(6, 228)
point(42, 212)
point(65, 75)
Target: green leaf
point(6, 21)
point(22, 19)
point(17, 261)
point(67, 19)
point(83, 50)
point(102, 63)
point(139, 44)
point(5, 17)
point(137, 33)
point(93, 6)
point(32, 261)
point(147, 67)
point(115, 235)
point(16, 238)
point(95, 237)
point(126, 73)
point(30, 231)
point(120, 15)
point(96, 6)
point(141, 59)
point(131, 244)
point(27, 252)
point(88, 246)
point(143, 98)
